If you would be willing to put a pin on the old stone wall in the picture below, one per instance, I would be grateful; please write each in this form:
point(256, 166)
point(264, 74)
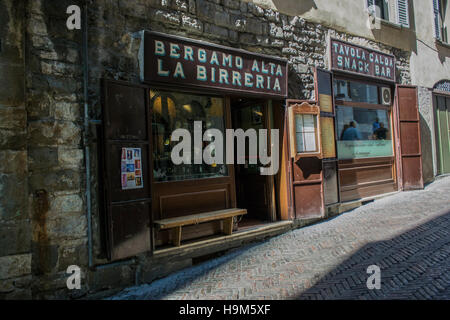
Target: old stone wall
point(55, 155)
point(45, 131)
point(15, 232)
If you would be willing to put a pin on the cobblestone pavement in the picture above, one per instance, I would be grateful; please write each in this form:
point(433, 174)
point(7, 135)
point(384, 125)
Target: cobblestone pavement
point(407, 235)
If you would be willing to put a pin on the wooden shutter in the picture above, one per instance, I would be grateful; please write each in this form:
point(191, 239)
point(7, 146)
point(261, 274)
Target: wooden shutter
point(403, 12)
point(324, 94)
point(437, 24)
point(409, 134)
point(126, 120)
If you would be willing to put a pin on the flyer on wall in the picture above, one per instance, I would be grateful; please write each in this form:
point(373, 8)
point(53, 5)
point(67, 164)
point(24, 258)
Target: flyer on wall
point(131, 170)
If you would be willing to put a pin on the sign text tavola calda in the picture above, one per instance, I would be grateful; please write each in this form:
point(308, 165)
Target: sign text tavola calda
point(359, 60)
point(218, 67)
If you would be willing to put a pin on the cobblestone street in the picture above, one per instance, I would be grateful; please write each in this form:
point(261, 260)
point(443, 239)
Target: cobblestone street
point(407, 235)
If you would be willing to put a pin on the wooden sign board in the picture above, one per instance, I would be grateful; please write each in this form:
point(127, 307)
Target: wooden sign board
point(355, 59)
point(175, 60)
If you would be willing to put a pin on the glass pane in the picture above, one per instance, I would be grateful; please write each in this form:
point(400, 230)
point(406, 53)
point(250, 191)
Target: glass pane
point(171, 111)
point(355, 91)
point(305, 127)
point(310, 142)
point(363, 133)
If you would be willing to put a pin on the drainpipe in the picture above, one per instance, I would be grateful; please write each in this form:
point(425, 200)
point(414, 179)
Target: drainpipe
point(86, 132)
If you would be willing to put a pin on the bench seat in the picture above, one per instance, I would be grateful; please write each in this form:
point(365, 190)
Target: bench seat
point(177, 223)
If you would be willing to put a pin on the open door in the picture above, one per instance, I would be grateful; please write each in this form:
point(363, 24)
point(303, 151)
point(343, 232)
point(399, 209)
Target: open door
point(126, 169)
point(409, 134)
point(306, 158)
point(254, 192)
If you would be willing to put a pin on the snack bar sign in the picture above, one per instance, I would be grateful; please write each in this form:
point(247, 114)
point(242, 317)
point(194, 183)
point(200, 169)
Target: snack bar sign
point(175, 60)
point(355, 59)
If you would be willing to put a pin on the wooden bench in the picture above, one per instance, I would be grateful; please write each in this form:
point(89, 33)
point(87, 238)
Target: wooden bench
point(176, 224)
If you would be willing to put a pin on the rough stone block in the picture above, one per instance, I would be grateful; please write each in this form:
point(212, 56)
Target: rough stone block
point(192, 24)
point(48, 133)
point(13, 204)
point(112, 277)
point(13, 140)
point(232, 4)
point(11, 87)
point(215, 31)
point(59, 180)
point(15, 266)
point(15, 237)
point(61, 204)
point(13, 162)
point(165, 17)
point(73, 253)
point(67, 111)
point(13, 118)
point(42, 158)
point(70, 158)
point(71, 226)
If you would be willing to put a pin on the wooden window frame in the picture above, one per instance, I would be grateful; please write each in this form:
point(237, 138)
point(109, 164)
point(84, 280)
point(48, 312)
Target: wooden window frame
point(304, 108)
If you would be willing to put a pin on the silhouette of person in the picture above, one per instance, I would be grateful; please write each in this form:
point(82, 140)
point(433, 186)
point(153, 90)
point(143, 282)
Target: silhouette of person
point(352, 133)
point(376, 125)
point(381, 132)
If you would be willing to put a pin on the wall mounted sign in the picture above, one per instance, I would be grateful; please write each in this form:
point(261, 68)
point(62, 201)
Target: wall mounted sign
point(363, 61)
point(131, 169)
point(181, 61)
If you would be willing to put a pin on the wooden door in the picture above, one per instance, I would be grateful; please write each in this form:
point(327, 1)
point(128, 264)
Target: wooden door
point(442, 104)
point(409, 129)
point(254, 191)
point(307, 180)
point(127, 135)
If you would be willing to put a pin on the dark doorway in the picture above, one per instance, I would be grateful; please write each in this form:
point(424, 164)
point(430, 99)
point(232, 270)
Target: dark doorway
point(254, 192)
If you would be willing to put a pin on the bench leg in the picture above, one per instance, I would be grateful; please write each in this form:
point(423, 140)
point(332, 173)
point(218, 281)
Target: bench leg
point(228, 226)
point(176, 236)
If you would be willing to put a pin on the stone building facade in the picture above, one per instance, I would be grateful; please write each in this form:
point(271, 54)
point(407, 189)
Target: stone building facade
point(44, 224)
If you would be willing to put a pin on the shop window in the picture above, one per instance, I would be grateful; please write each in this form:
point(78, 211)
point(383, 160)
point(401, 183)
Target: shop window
point(363, 133)
point(356, 92)
point(171, 111)
point(304, 123)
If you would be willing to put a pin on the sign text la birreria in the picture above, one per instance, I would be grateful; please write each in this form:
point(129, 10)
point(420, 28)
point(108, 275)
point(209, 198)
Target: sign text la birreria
point(181, 61)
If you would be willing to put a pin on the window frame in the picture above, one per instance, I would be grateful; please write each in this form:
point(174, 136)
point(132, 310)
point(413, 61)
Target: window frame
point(304, 108)
point(393, 17)
point(364, 105)
point(227, 125)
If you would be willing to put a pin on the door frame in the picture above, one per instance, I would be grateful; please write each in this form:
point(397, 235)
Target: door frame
point(268, 121)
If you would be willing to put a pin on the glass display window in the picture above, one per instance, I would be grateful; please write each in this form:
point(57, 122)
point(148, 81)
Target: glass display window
point(175, 110)
point(363, 133)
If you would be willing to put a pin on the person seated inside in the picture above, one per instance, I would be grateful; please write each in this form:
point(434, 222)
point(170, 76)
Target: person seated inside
point(376, 125)
point(381, 132)
point(352, 133)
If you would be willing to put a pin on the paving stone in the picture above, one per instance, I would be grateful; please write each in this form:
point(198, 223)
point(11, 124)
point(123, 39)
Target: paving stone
point(409, 244)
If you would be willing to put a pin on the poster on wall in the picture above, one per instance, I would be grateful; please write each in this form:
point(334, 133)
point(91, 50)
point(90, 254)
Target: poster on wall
point(131, 169)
